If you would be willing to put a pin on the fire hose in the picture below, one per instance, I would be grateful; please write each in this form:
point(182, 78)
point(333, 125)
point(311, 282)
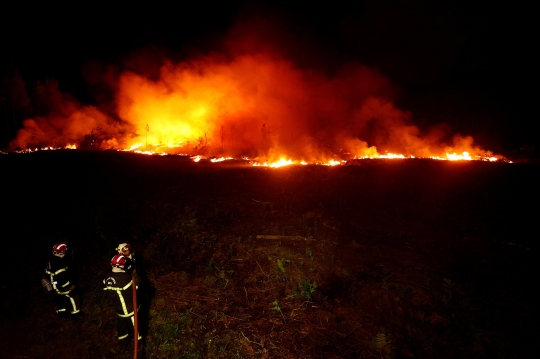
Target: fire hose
point(135, 316)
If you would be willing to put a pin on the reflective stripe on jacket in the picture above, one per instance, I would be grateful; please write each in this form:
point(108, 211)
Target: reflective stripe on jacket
point(119, 285)
point(58, 275)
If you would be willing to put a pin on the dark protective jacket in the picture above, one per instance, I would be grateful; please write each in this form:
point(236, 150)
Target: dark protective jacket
point(131, 264)
point(119, 286)
point(57, 271)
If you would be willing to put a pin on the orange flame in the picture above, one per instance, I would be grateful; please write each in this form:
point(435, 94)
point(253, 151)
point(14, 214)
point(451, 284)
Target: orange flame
point(253, 104)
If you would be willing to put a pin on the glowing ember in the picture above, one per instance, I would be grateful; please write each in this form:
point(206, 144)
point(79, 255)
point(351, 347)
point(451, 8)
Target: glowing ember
point(221, 159)
point(455, 157)
point(437, 158)
point(334, 163)
point(282, 162)
point(289, 162)
point(393, 155)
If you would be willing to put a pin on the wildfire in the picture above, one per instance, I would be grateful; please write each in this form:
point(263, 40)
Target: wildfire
point(282, 162)
point(48, 148)
point(454, 157)
point(162, 150)
point(255, 105)
point(221, 159)
point(394, 155)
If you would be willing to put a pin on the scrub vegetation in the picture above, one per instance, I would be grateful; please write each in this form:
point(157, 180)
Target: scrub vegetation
point(385, 259)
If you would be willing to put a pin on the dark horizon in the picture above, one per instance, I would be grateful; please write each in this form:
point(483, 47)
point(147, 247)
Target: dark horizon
point(467, 65)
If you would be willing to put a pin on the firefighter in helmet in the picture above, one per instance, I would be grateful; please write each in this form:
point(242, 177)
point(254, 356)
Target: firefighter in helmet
point(119, 284)
point(135, 266)
point(127, 251)
point(62, 282)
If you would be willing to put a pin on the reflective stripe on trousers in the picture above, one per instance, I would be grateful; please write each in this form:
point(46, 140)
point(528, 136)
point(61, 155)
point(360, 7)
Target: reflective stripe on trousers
point(74, 308)
point(126, 326)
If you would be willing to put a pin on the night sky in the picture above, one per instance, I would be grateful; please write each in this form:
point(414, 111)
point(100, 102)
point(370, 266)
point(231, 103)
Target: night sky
point(469, 64)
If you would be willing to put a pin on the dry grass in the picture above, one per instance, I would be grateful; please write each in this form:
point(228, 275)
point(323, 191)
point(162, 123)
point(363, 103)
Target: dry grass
point(361, 264)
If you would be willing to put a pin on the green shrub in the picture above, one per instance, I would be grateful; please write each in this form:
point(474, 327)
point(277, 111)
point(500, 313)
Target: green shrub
point(307, 288)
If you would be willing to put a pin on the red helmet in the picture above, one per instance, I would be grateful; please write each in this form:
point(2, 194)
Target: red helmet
point(118, 261)
point(59, 248)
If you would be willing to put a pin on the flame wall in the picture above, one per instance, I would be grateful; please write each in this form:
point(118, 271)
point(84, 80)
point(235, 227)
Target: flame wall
point(248, 100)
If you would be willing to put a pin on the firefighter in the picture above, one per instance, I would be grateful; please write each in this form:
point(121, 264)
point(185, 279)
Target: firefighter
point(119, 285)
point(62, 282)
point(135, 266)
point(127, 251)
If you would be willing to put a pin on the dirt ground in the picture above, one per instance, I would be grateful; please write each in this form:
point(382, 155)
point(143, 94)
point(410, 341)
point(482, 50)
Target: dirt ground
point(375, 259)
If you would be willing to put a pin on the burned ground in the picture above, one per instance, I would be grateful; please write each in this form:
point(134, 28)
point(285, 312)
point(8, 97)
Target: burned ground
point(383, 259)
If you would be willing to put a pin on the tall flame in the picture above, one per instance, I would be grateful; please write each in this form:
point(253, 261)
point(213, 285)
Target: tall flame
point(254, 103)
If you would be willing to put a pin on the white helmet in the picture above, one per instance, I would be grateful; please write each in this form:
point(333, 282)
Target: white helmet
point(125, 249)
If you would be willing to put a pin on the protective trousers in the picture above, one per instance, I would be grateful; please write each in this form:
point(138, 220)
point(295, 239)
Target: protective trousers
point(126, 327)
point(119, 284)
point(66, 301)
